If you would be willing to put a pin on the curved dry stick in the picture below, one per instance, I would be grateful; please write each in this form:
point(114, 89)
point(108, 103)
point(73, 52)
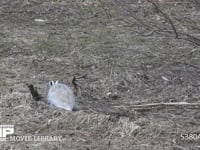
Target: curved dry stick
point(188, 37)
point(167, 17)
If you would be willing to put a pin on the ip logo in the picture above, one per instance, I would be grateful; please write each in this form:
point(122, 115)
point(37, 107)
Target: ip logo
point(5, 130)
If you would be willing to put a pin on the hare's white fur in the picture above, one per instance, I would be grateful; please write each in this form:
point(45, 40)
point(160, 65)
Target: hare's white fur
point(61, 96)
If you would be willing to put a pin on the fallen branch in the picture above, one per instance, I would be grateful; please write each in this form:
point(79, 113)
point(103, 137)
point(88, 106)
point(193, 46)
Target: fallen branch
point(152, 105)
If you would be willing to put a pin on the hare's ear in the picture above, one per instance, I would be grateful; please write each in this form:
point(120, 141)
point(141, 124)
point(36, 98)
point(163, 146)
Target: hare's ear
point(51, 83)
point(56, 82)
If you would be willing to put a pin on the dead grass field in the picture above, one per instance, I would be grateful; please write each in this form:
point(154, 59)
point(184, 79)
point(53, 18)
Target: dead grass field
point(131, 56)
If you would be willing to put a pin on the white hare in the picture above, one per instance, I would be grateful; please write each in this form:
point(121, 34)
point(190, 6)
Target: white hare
point(60, 95)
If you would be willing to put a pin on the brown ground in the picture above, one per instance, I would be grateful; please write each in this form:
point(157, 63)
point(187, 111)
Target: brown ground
point(130, 54)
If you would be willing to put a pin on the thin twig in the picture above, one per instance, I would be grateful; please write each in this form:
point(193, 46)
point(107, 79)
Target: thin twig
point(36, 96)
point(188, 37)
point(75, 85)
point(74, 82)
point(167, 17)
point(104, 9)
